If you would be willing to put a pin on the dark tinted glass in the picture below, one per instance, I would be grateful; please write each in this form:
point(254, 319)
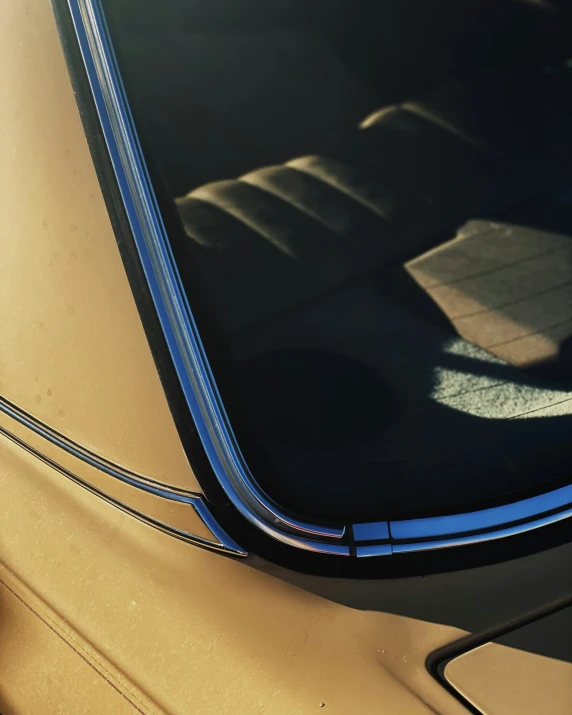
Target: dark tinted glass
point(372, 213)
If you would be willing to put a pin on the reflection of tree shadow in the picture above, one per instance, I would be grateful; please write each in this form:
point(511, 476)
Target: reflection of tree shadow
point(559, 368)
point(478, 428)
point(524, 422)
point(469, 427)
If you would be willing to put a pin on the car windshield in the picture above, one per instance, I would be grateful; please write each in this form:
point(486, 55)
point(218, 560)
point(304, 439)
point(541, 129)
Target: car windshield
point(371, 211)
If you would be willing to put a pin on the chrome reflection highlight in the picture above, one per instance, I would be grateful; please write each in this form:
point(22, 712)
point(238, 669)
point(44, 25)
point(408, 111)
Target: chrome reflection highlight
point(374, 550)
point(475, 527)
point(169, 297)
point(196, 378)
point(371, 531)
point(495, 517)
point(446, 543)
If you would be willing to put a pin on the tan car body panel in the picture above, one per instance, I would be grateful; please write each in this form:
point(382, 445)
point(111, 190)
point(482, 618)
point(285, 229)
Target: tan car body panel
point(73, 352)
point(515, 673)
point(94, 601)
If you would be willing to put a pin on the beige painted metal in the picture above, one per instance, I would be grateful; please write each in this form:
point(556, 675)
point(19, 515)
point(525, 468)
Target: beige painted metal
point(177, 515)
point(73, 351)
point(199, 633)
point(36, 641)
point(528, 671)
point(171, 627)
point(196, 632)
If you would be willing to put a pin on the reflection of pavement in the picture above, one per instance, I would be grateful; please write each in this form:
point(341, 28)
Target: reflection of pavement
point(506, 288)
point(469, 425)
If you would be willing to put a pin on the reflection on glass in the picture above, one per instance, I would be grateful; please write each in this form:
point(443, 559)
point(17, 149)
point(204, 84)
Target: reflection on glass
point(373, 223)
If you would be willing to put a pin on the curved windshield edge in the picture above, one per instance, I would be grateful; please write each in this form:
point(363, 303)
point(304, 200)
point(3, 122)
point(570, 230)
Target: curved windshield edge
point(197, 382)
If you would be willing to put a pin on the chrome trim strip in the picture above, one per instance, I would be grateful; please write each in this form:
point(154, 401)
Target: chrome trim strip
point(168, 295)
point(371, 531)
point(194, 372)
point(446, 543)
point(477, 521)
point(103, 465)
point(374, 550)
point(221, 542)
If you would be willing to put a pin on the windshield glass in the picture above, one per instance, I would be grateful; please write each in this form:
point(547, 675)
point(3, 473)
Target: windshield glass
point(372, 217)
